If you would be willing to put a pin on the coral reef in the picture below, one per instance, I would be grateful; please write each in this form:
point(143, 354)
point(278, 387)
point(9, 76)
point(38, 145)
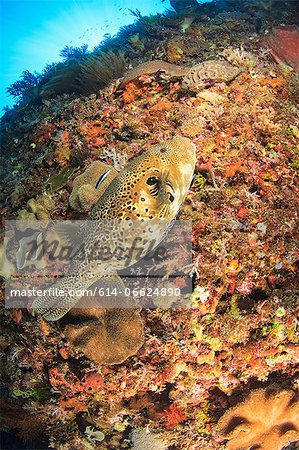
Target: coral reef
point(267, 419)
point(184, 6)
point(176, 51)
point(99, 70)
point(143, 440)
point(137, 42)
point(86, 76)
point(188, 366)
point(63, 81)
point(29, 426)
point(26, 87)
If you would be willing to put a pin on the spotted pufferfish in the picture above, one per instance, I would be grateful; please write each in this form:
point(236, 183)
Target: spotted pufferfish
point(148, 191)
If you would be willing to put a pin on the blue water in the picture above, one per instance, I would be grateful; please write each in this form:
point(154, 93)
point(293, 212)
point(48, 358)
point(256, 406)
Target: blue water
point(34, 31)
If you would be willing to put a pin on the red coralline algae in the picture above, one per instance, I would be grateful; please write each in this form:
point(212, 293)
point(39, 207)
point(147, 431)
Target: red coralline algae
point(284, 45)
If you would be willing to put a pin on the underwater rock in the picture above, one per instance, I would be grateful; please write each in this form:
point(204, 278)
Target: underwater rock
point(267, 419)
point(284, 44)
point(106, 336)
point(85, 192)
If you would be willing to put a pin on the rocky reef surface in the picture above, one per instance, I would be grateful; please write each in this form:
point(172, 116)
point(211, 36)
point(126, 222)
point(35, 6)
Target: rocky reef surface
point(202, 376)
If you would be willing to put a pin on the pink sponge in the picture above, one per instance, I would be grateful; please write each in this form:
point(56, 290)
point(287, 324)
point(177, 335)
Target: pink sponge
point(284, 45)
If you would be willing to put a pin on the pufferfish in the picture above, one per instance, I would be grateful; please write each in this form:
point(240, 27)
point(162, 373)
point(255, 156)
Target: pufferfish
point(146, 195)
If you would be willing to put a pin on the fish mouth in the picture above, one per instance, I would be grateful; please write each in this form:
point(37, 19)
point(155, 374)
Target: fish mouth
point(155, 191)
point(156, 188)
point(169, 184)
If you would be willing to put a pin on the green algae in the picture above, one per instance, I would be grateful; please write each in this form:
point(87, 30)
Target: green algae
point(37, 394)
point(59, 180)
point(199, 181)
point(234, 311)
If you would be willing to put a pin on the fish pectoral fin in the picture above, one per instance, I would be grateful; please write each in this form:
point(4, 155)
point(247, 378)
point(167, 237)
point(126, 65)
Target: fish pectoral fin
point(68, 230)
point(67, 233)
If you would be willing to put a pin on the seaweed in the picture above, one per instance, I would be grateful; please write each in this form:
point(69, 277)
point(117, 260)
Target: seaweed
point(85, 77)
point(74, 53)
point(27, 82)
point(64, 80)
point(99, 70)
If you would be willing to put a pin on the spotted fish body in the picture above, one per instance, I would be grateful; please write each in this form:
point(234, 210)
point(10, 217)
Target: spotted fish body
point(149, 190)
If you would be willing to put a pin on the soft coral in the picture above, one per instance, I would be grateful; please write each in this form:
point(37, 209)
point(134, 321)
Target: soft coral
point(268, 419)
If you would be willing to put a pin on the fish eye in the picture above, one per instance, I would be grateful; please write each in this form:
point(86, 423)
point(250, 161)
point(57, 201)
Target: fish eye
point(171, 197)
point(152, 181)
point(163, 150)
